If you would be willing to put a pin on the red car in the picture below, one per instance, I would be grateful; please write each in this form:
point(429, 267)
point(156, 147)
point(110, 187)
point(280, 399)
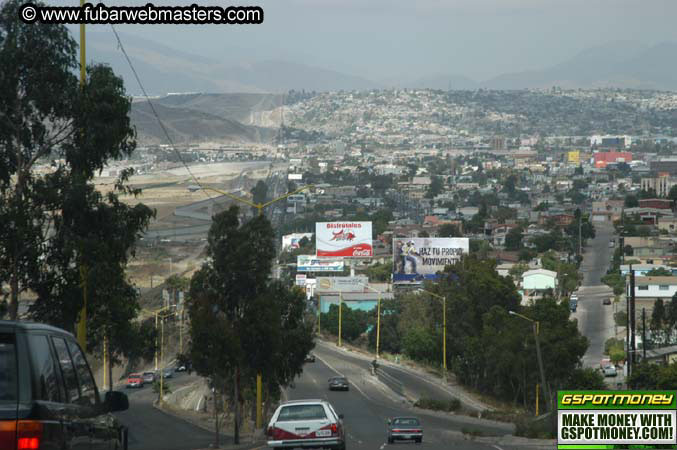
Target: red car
point(135, 380)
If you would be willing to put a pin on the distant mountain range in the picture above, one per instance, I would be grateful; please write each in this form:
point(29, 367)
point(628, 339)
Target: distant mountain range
point(164, 70)
point(624, 64)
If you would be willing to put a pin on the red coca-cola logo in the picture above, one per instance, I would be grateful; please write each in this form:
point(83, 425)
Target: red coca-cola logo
point(361, 253)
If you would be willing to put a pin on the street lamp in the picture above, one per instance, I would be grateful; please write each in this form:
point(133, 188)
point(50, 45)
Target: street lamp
point(536, 325)
point(378, 316)
point(444, 326)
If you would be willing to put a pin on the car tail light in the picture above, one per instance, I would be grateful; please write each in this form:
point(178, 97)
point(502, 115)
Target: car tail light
point(397, 431)
point(333, 428)
point(29, 434)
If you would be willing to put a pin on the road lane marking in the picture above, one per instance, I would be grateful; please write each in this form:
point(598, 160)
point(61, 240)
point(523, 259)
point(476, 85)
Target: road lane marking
point(339, 373)
point(496, 447)
point(383, 445)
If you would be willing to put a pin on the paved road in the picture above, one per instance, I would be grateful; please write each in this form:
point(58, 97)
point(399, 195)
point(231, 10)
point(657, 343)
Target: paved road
point(151, 429)
point(368, 404)
point(595, 320)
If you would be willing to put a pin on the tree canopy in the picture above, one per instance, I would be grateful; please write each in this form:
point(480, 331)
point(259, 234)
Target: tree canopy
point(59, 232)
point(241, 322)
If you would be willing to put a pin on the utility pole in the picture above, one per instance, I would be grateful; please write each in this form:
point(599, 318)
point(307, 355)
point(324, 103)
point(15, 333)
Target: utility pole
point(628, 324)
point(580, 240)
point(643, 334)
point(546, 390)
point(632, 320)
point(82, 324)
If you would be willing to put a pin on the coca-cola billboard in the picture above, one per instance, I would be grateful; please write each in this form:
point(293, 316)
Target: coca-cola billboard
point(346, 239)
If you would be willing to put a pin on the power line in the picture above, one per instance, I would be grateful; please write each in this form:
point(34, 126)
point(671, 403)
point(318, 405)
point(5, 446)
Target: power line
point(157, 117)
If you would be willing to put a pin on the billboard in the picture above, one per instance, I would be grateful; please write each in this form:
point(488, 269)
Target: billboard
point(326, 285)
point(290, 241)
point(347, 239)
point(300, 279)
point(574, 157)
point(418, 259)
point(311, 263)
point(295, 176)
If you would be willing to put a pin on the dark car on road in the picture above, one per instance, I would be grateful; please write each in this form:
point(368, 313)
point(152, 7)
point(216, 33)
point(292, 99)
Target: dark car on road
point(338, 384)
point(48, 397)
point(310, 357)
point(404, 428)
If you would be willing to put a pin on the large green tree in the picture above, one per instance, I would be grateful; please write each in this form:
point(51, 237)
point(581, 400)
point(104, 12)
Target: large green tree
point(241, 323)
point(60, 233)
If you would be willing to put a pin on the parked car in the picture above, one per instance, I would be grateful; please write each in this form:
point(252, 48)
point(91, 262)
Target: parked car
point(135, 380)
point(149, 377)
point(310, 357)
point(306, 424)
point(609, 371)
point(606, 301)
point(338, 384)
point(573, 302)
point(168, 373)
point(48, 396)
point(404, 429)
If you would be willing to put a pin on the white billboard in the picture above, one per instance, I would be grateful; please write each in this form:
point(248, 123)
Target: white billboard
point(295, 176)
point(418, 259)
point(347, 239)
point(325, 285)
point(300, 279)
point(311, 263)
point(291, 241)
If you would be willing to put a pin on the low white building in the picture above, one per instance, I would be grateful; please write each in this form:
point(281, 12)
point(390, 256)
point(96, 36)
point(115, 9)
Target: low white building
point(655, 287)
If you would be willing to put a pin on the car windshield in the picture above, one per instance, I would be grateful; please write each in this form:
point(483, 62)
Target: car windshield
point(301, 412)
point(8, 377)
point(406, 422)
point(148, 373)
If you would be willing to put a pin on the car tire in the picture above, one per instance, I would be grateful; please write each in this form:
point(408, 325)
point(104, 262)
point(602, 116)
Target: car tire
point(419, 440)
point(390, 441)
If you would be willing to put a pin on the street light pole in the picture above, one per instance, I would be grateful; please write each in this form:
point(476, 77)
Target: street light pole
point(378, 325)
point(536, 328)
point(340, 307)
point(444, 328)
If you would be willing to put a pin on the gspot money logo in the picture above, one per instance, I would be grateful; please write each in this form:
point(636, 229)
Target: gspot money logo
point(618, 419)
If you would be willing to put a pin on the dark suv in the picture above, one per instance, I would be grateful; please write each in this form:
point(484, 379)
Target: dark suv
point(48, 397)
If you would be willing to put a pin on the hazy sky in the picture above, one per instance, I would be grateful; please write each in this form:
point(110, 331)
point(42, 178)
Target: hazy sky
point(406, 39)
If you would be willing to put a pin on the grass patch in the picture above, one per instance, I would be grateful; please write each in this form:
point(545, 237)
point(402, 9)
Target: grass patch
point(438, 405)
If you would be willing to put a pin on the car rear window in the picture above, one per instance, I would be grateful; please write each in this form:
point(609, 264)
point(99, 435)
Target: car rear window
point(301, 412)
point(406, 422)
point(8, 370)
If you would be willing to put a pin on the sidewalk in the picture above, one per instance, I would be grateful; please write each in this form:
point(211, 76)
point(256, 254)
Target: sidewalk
point(248, 439)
